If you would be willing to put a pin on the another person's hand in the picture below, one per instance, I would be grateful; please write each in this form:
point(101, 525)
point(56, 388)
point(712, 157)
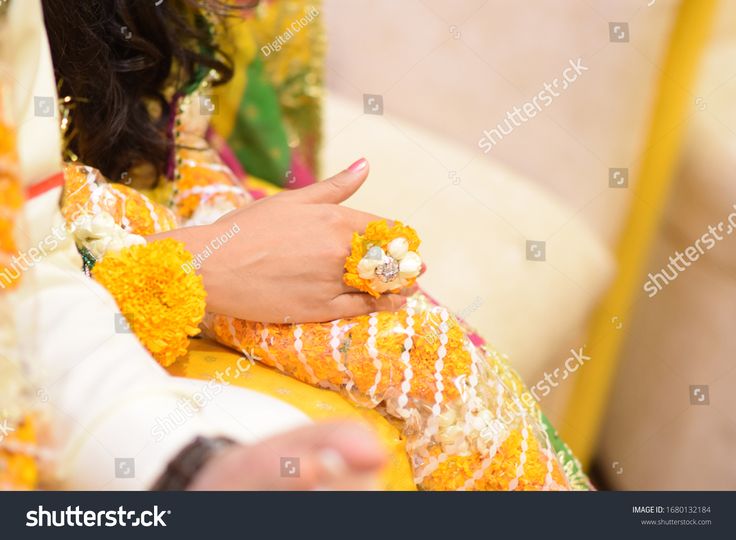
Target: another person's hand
point(285, 265)
point(335, 456)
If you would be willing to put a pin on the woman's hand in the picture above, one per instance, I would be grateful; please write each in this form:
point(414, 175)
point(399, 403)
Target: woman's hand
point(283, 262)
point(331, 456)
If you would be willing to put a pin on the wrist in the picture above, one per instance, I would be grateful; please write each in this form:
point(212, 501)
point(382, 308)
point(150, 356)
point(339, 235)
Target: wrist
point(198, 242)
point(182, 472)
point(195, 239)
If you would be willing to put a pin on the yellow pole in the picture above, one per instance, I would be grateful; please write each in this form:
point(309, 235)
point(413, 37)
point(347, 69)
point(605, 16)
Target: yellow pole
point(673, 102)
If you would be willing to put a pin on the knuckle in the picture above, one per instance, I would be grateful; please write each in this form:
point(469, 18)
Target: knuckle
point(336, 215)
point(329, 214)
point(335, 184)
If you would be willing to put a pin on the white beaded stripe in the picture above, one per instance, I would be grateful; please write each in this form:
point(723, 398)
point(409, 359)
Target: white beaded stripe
point(298, 332)
point(94, 198)
point(335, 332)
point(373, 353)
point(478, 474)
point(524, 446)
point(549, 481)
point(90, 180)
point(154, 215)
point(500, 390)
point(234, 335)
point(473, 384)
point(403, 399)
point(433, 421)
point(124, 221)
point(269, 354)
point(432, 466)
point(440, 363)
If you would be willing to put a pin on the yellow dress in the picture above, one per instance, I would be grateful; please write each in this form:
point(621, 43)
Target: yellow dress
point(206, 358)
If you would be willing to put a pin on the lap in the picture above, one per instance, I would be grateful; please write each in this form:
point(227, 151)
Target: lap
point(207, 359)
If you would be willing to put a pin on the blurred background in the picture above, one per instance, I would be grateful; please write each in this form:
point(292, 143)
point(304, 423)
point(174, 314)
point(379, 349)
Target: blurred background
point(556, 157)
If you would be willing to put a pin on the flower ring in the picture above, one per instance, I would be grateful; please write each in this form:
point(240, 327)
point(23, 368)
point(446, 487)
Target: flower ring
point(383, 259)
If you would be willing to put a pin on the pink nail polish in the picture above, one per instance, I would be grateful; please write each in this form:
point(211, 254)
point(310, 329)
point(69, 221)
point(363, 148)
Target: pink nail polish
point(359, 165)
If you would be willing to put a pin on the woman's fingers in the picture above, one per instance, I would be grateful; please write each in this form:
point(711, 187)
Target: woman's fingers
point(357, 303)
point(333, 190)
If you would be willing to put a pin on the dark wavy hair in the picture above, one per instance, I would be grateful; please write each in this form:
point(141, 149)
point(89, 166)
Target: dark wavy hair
point(116, 58)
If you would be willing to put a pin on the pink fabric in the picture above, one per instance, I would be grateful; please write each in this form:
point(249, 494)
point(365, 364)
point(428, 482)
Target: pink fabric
point(299, 174)
point(226, 154)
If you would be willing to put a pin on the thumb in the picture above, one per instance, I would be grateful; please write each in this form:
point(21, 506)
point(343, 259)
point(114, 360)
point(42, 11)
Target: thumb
point(336, 189)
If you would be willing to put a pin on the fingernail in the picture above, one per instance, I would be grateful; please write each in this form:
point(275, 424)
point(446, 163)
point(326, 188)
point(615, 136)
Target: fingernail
point(359, 165)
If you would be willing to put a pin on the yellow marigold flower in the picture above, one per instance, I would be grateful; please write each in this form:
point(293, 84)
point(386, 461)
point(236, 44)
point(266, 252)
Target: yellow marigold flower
point(163, 301)
point(383, 259)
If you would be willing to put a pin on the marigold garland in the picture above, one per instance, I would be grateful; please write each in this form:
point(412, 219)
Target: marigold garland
point(162, 301)
point(381, 234)
point(87, 192)
point(18, 466)
point(11, 200)
point(459, 407)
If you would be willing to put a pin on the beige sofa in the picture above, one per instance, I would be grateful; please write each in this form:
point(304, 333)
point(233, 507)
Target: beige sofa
point(447, 71)
point(662, 432)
